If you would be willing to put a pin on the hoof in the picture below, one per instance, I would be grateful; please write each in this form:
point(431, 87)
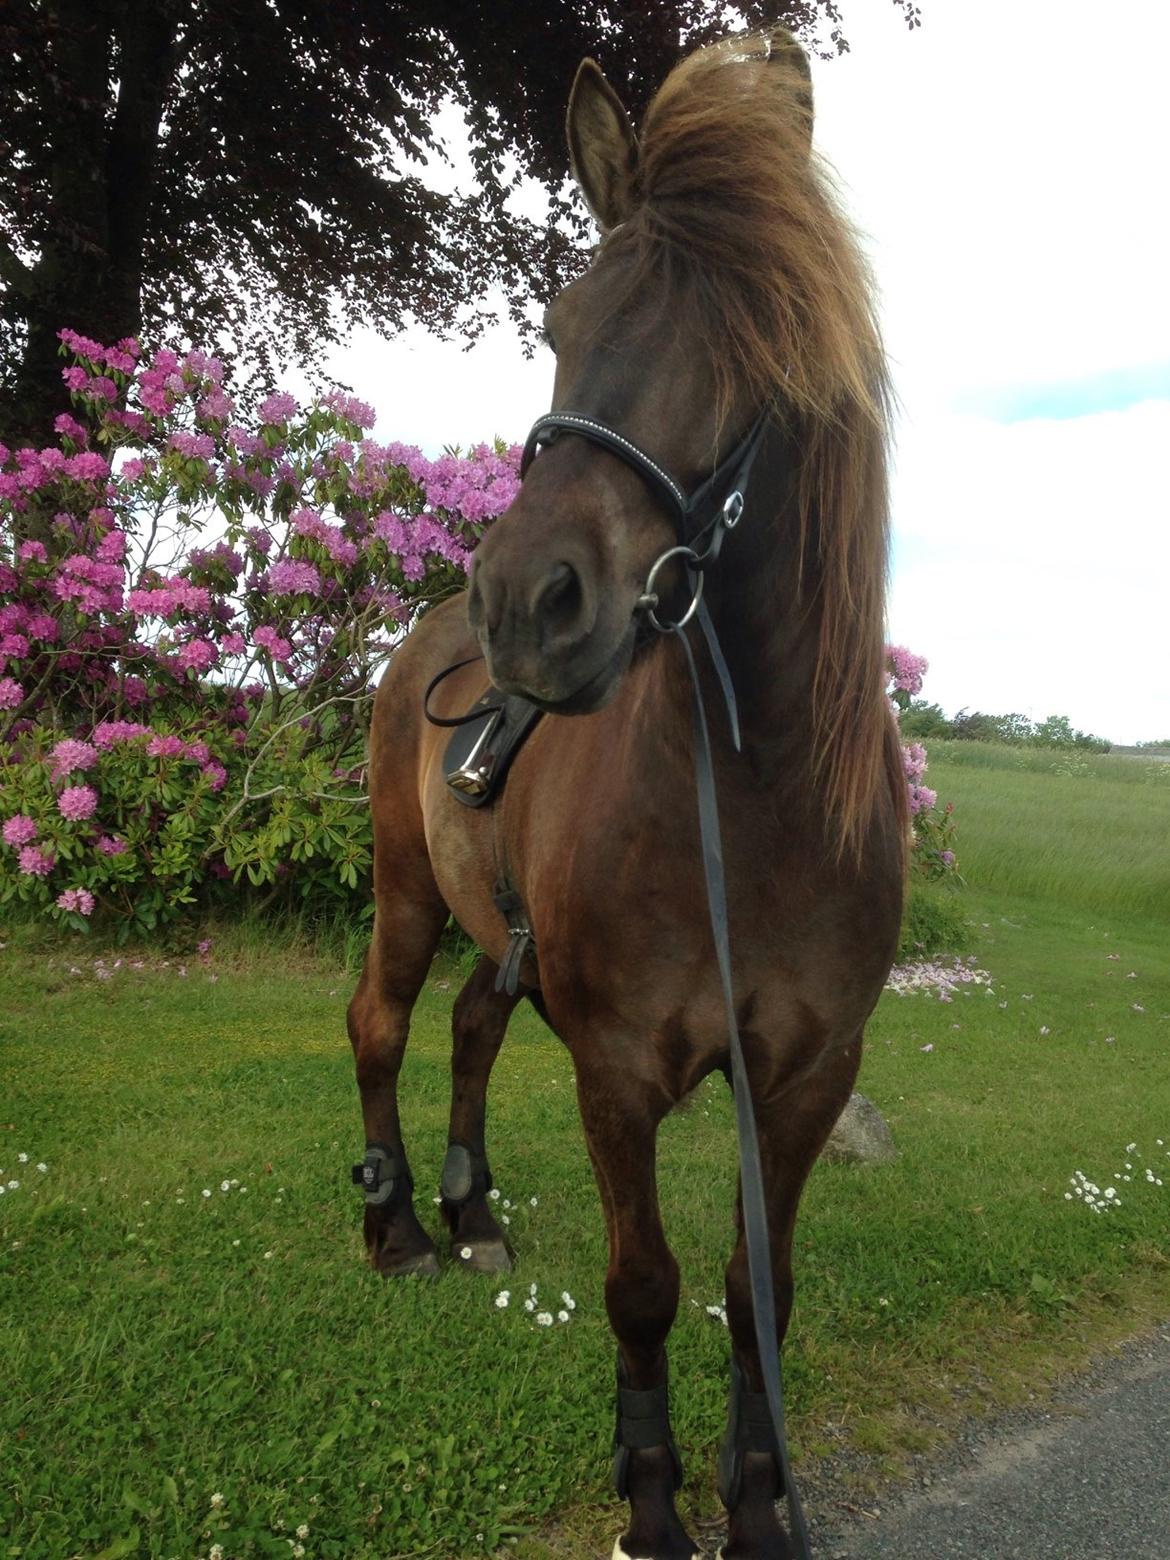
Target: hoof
point(424, 1265)
point(482, 1256)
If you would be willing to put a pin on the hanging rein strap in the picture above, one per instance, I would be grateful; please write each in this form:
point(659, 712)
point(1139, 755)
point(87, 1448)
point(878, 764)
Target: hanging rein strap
point(698, 550)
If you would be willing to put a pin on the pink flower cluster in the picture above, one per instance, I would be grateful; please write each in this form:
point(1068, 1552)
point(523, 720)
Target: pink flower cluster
point(908, 669)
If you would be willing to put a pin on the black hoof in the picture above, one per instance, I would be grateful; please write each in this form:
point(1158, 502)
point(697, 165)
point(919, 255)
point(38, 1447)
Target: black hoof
point(424, 1264)
point(482, 1256)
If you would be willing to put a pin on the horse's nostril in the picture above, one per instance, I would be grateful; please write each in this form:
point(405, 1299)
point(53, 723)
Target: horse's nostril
point(559, 602)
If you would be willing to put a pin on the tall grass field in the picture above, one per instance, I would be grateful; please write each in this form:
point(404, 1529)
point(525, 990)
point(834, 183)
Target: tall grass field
point(194, 1360)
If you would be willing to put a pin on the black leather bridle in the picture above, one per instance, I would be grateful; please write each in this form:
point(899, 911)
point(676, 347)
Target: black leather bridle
point(698, 548)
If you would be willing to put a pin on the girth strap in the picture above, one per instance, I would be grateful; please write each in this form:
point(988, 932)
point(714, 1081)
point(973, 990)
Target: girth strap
point(520, 938)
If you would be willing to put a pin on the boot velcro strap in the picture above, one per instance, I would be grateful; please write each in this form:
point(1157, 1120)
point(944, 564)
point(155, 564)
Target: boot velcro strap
point(754, 1431)
point(643, 1417)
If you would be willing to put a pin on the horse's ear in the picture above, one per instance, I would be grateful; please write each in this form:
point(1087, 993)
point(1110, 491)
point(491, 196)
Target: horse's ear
point(602, 147)
point(785, 50)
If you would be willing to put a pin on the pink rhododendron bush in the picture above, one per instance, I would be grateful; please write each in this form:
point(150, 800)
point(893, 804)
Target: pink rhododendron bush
point(933, 853)
point(194, 608)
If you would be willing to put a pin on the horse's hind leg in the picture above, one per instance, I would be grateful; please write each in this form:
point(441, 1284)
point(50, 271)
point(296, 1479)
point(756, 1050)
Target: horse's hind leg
point(793, 1128)
point(407, 924)
point(478, 1023)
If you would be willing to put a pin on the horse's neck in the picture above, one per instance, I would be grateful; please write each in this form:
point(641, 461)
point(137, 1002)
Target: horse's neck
point(766, 617)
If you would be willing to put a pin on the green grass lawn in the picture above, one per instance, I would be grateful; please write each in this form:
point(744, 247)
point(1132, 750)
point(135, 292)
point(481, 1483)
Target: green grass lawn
point(160, 1347)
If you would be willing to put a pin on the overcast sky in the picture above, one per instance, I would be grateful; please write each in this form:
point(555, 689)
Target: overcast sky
point(1008, 165)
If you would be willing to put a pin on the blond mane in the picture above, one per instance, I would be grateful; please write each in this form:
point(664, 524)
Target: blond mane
point(738, 225)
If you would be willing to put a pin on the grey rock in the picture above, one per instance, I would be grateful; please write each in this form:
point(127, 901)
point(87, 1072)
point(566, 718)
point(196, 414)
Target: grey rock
point(861, 1136)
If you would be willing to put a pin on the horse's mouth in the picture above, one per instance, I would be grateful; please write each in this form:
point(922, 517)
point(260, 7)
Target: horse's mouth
point(591, 695)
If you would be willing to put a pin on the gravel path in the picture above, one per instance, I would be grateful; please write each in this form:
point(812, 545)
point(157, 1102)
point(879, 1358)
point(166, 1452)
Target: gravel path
point(1087, 1479)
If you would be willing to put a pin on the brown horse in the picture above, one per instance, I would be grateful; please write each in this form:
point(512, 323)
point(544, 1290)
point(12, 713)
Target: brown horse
point(726, 282)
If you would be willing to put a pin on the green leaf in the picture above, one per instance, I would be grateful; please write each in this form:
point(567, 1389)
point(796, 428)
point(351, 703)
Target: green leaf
point(120, 1547)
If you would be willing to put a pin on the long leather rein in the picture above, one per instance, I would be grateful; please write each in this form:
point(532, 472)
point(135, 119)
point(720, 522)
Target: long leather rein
point(698, 548)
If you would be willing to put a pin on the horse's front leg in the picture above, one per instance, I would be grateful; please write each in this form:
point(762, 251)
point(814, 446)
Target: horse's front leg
point(407, 925)
point(793, 1126)
point(621, 1117)
point(478, 1023)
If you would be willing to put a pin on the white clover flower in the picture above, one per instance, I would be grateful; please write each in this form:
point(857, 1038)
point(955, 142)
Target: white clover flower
point(235, 1243)
point(14, 1185)
point(217, 1499)
point(562, 1316)
point(502, 1300)
point(215, 1552)
point(532, 1200)
point(22, 1159)
point(298, 1550)
point(268, 1254)
point(507, 1204)
point(504, 1219)
point(568, 1299)
point(303, 1530)
point(530, 1304)
point(235, 1182)
point(532, 1290)
point(465, 1253)
point(207, 1191)
point(544, 1319)
point(494, 1194)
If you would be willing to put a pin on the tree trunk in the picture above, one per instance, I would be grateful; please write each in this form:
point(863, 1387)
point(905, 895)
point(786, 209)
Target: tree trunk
point(88, 276)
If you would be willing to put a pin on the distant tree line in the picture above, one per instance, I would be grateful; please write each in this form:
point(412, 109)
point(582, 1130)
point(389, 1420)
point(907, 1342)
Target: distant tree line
point(922, 720)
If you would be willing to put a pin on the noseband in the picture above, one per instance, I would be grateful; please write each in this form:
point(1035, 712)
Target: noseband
point(698, 548)
point(730, 477)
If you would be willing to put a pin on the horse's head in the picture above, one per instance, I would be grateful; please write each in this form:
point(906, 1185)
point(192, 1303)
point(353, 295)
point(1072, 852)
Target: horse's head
point(641, 349)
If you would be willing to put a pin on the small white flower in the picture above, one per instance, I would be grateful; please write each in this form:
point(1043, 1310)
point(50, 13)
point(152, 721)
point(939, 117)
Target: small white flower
point(507, 1204)
point(207, 1191)
point(22, 1159)
point(215, 1552)
point(465, 1253)
point(562, 1316)
point(303, 1530)
point(235, 1243)
point(502, 1300)
point(568, 1299)
point(532, 1200)
point(1044, 1029)
point(268, 1254)
point(494, 1194)
point(217, 1499)
point(883, 1301)
point(298, 1550)
point(530, 1304)
point(504, 1219)
point(225, 1186)
point(532, 1290)
point(544, 1319)
point(236, 1183)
